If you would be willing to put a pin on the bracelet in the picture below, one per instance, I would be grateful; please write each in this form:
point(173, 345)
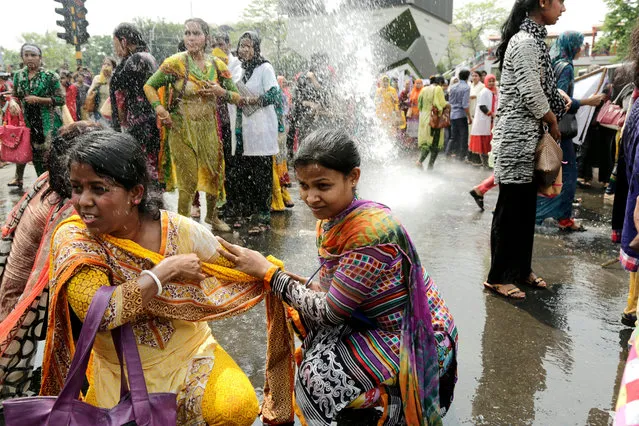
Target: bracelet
point(155, 278)
point(269, 277)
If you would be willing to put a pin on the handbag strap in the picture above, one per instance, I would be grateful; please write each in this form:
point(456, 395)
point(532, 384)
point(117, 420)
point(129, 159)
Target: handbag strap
point(61, 411)
point(125, 344)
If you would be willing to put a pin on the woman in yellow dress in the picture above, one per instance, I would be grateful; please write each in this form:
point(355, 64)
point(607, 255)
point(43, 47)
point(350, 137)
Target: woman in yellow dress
point(387, 104)
point(194, 141)
point(170, 281)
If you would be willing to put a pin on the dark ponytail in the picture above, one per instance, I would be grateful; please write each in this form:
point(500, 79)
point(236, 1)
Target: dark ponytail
point(519, 12)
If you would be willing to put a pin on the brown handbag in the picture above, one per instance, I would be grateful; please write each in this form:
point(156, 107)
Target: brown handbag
point(440, 121)
point(548, 157)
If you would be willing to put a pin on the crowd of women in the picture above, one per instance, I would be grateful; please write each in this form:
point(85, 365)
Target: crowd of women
point(378, 341)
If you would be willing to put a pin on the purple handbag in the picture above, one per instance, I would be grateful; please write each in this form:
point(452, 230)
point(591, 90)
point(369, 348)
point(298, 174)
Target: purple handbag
point(136, 407)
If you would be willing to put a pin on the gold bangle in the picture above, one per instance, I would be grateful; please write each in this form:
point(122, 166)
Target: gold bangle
point(269, 276)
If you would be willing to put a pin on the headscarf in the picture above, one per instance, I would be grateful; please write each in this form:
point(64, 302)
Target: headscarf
point(31, 48)
point(566, 47)
point(414, 94)
point(250, 65)
point(493, 108)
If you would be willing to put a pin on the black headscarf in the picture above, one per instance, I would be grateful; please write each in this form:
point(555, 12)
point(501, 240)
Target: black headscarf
point(258, 59)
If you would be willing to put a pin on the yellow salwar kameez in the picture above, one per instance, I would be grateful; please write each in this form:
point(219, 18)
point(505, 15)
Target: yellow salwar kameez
point(196, 153)
point(430, 96)
point(178, 352)
point(387, 107)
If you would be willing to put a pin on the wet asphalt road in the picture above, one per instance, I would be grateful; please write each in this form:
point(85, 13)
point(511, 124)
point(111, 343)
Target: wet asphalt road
point(554, 359)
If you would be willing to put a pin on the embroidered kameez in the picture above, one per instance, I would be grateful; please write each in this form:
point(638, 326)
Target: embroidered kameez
point(195, 150)
point(177, 350)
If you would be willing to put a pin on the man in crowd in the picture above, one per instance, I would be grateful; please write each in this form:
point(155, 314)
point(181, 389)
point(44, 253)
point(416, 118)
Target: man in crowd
point(460, 117)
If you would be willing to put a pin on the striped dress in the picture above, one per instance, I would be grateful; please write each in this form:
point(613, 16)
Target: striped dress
point(354, 327)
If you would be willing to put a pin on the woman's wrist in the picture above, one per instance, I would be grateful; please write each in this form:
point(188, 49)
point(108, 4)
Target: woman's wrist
point(268, 276)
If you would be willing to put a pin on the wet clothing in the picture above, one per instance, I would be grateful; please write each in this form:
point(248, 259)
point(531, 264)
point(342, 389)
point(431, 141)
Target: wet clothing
point(43, 120)
point(196, 152)
point(132, 112)
point(360, 329)
point(177, 350)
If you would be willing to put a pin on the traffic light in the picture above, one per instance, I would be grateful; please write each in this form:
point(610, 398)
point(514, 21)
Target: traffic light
point(81, 21)
point(67, 22)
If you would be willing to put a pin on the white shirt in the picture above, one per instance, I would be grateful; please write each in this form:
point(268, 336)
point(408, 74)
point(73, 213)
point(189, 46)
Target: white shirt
point(259, 131)
point(481, 122)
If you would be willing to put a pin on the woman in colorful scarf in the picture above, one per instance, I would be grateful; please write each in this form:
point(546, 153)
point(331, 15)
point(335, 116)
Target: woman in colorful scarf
point(430, 141)
point(484, 113)
point(24, 266)
point(132, 112)
point(170, 281)
point(564, 51)
point(40, 95)
point(195, 82)
point(375, 329)
point(412, 114)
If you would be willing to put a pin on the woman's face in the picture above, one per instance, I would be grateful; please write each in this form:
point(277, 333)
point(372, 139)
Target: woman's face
point(119, 47)
point(419, 85)
point(491, 83)
point(107, 68)
point(551, 10)
point(476, 77)
point(31, 60)
point(579, 52)
point(194, 37)
point(246, 51)
point(385, 83)
point(327, 192)
point(104, 206)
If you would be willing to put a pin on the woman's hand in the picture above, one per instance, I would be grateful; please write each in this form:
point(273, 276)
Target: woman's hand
point(212, 89)
point(595, 100)
point(181, 266)
point(555, 132)
point(567, 99)
point(245, 260)
point(33, 100)
point(164, 116)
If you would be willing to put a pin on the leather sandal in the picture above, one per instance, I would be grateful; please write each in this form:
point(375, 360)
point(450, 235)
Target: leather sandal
point(509, 291)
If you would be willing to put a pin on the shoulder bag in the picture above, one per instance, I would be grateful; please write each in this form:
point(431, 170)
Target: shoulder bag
point(15, 140)
point(136, 406)
point(548, 157)
point(440, 121)
point(568, 125)
point(612, 114)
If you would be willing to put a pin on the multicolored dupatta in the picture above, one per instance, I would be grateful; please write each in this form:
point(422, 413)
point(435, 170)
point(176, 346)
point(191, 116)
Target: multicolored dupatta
point(225, 292)
point(365, 224)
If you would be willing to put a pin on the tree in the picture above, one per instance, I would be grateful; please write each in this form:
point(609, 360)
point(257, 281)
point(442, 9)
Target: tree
point(618, 25)
point(452, 57)
point(266, 18)
point(95, 50)
point(55, 52)
point(162, 37)
point(473, 20)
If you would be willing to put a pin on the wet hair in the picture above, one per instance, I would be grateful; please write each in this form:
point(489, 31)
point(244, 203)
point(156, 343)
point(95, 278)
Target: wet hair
point(204, 27)
point(119, 157)
point(330, 148)
point(113, 62)
point(132, 35)
point(224, 36)
point(438, 79)
point(518, 13)
point(57, 157)
point(22, 48)
point(464, 74)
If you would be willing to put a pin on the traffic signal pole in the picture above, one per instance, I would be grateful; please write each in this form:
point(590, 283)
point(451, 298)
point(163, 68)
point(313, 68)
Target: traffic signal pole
point(74, 25)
